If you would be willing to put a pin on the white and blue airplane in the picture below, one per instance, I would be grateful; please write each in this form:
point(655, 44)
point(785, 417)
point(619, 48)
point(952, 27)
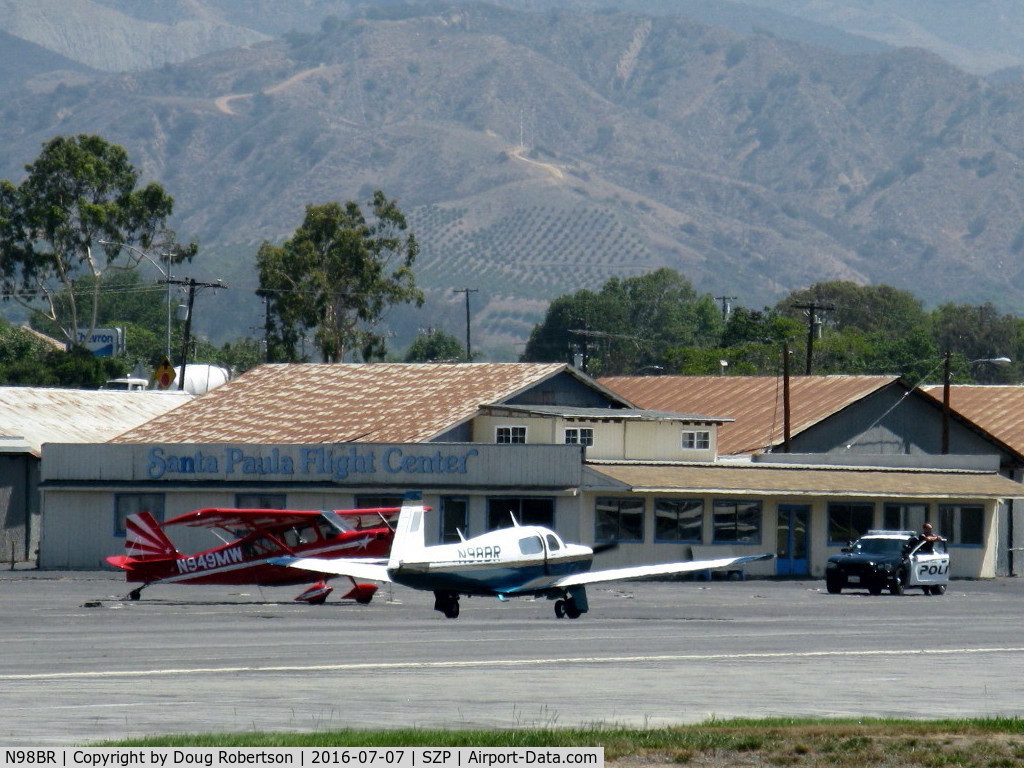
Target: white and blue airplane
point(525, 560)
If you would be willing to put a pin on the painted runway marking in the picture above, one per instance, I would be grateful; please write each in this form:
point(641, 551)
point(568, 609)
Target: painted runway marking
point(502, 663)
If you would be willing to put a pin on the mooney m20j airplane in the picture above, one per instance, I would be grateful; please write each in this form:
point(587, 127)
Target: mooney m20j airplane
point(251, 538)
point(510, 562)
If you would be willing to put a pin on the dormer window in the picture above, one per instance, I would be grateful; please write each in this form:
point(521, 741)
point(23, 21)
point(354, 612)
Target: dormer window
point(510, 435)
point(579, 436)
point(696, 439)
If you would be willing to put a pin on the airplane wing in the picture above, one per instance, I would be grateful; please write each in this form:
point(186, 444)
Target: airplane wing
point(640, 572)
point(357, 568)
point(243, 518)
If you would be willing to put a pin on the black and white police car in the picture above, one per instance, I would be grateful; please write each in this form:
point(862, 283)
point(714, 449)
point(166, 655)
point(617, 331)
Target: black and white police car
point(893, 560)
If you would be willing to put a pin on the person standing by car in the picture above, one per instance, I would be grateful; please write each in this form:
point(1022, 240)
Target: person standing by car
point(927, 538)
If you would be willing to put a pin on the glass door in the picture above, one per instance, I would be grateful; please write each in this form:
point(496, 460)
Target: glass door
point(792, 536)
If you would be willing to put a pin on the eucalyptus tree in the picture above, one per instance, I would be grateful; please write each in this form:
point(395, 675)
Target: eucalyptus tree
point(336, 277)
point(79, 211)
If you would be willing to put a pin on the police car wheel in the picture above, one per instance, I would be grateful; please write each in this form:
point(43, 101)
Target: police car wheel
point(834, 586)
point(896, 586)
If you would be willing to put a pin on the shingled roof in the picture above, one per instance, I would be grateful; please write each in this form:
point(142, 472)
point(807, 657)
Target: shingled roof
point(754, 402)
point(322, 403)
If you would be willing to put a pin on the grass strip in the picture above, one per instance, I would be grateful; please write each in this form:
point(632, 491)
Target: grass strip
point(852, 743)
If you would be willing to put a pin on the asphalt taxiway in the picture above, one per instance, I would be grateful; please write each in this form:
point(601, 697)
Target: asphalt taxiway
point(81, 664)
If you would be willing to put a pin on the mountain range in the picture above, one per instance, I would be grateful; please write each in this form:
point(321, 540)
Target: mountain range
point(540, 148)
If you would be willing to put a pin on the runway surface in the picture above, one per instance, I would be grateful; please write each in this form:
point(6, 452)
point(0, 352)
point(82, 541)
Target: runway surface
point(80, 664)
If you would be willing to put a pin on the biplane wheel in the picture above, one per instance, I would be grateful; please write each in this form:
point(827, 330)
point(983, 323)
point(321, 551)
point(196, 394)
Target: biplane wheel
point(364, 599)
point(135, 594)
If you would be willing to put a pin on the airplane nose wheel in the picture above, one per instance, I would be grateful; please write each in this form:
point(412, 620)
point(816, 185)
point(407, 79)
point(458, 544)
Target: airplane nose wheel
point(568, 608)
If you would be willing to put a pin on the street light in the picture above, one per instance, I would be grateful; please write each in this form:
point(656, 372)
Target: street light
point(167, 280)
point(947, 375)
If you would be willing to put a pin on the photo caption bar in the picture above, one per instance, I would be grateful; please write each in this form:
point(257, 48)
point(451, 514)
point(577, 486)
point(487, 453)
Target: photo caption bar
point(303, 757)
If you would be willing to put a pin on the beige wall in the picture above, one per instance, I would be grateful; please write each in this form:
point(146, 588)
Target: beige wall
point(630, 440)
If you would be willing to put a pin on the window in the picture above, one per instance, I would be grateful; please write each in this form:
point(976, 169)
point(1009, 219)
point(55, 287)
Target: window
point(297, 535)
point(579, 436)
point(679, 520)
point(528, 511)
point(454, 518)
point(510, 435)
point(696, 440)
point(962, 524)
point(260, 501)
point(904, 517)
point(531, 545)
point(618, 519)
point(132, 503)
point(849, 521)
point(737, 521)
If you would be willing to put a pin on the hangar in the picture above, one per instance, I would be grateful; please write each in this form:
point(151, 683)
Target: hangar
point(482, 441)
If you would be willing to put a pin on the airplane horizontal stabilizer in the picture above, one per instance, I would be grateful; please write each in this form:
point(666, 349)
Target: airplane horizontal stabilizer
point(659, 569)
point(342, 566)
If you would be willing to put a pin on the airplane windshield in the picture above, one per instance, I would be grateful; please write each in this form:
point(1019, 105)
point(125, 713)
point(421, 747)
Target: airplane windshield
point(553, 543)
point(878, 546)
point(332, 523)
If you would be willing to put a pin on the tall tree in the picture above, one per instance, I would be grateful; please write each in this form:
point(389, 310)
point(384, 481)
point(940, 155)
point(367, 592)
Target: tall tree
point(627, 326)
point(337, 276)
point(433, 346)
point(80, 192)
point(864, 308)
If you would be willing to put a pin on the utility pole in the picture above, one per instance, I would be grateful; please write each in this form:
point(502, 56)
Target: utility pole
point(192, 285)
point(469, 349)
point(812, 319)
point(786, 407)
point(725, 306)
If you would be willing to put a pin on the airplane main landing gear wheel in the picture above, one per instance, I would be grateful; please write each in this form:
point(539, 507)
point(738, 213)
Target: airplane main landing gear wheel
point(447, 603)
point(568, 608)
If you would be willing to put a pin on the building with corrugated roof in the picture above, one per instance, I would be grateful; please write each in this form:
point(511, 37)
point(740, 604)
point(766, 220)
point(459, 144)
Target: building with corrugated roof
point(485, 441)
point(851, 420)
point(33, 416)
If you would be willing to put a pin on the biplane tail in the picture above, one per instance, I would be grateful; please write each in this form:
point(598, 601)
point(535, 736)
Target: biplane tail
point(145, 538)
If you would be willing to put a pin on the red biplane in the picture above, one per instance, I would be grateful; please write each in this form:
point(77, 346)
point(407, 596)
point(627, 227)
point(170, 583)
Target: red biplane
point(251, 537)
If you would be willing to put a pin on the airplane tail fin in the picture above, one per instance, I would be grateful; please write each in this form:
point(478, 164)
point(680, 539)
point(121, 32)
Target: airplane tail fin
point(145, 538)
point(410, 536)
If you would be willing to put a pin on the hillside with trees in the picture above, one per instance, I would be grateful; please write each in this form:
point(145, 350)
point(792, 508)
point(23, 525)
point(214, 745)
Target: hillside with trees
point(538, 153)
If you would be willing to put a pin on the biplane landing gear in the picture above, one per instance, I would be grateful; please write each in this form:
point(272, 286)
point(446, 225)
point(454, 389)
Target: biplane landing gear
point(136, 593)
point(315, 594)
point(447, 603)
point(361, 593)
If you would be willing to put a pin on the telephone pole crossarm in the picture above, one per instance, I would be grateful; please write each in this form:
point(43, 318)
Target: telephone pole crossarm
point(812, 309)
point(193, 285)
